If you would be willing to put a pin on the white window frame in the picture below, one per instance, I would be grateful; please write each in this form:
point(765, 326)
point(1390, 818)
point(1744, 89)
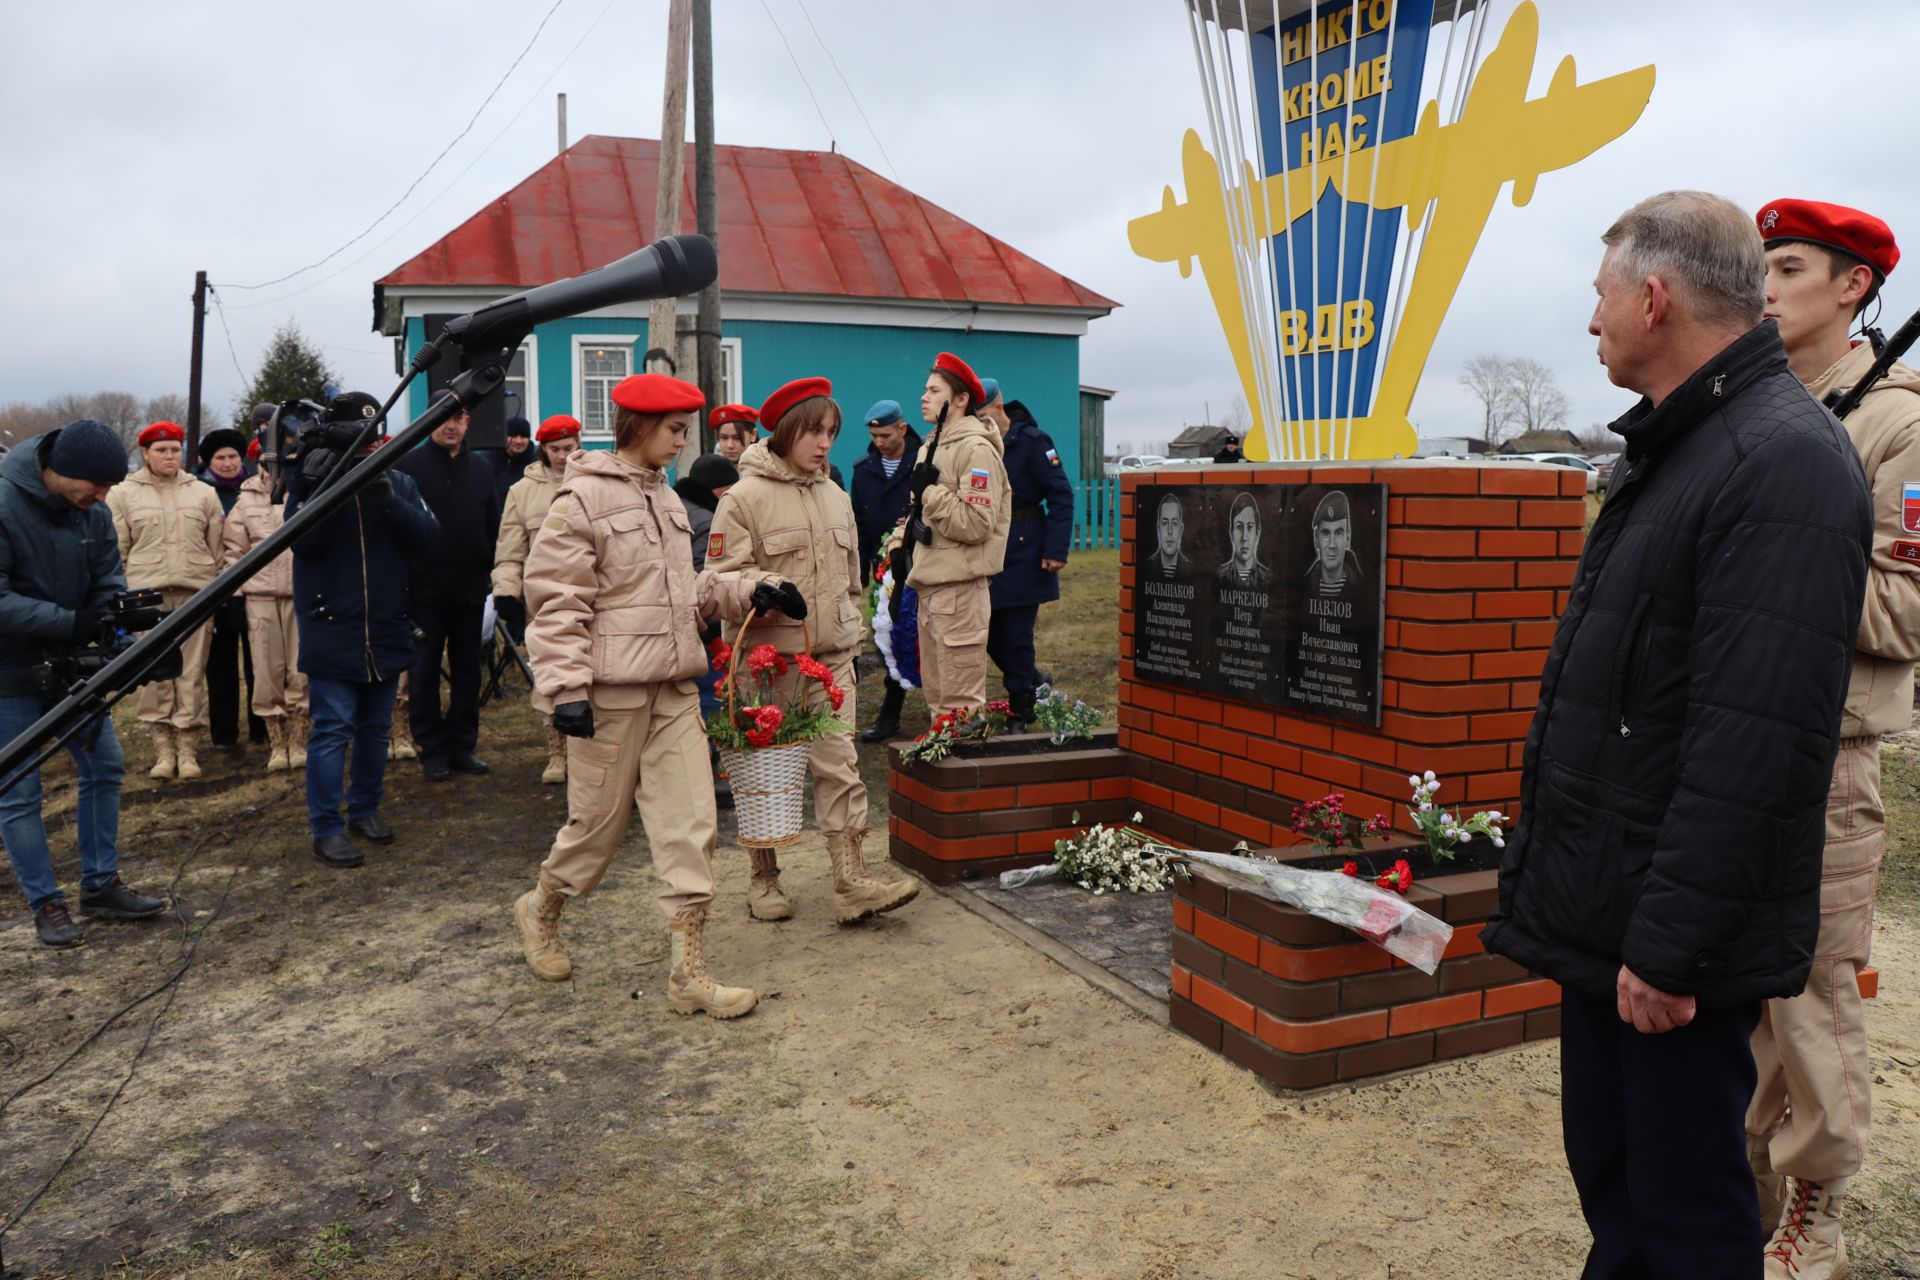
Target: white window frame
point(530, 403)
point(581, 341)
point(733, 371)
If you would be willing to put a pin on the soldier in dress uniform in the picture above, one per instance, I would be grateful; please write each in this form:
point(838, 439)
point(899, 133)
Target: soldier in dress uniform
point(959, 486)
point(1807, 1127)
point(526, 508)
point(788, 520)
point(613, 632)
point(1038, 539)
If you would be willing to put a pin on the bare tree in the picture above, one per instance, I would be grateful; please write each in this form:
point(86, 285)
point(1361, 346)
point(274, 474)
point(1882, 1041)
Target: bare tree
point(1598, 438)
point(1538, 402)
point(1490, 379)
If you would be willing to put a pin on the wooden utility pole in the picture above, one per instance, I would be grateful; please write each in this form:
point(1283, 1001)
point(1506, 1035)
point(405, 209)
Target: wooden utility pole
point(193, 371)
point(563, 122)
point(706, 208)
point(673, 143)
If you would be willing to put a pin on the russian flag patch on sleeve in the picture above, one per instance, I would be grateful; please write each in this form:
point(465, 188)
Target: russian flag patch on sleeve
point(1910, 507)
point(979, 478)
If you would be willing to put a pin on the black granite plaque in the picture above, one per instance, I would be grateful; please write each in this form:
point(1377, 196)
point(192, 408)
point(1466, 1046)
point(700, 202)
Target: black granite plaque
point(1274, 593)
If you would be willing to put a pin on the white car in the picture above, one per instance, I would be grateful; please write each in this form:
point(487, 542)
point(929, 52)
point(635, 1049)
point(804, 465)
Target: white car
point(1555, 460)
point(1140, 461)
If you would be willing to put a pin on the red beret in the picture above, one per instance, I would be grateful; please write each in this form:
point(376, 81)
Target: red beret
point(733, 413)
point(781, 402)
point(253, 450)
point(947, 362)
point(1831, 226)
point(558, 427)
point(657, 393)
point(162, 431)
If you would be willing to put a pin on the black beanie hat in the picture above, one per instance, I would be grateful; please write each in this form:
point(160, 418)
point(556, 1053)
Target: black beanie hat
point(712, 472)
point(518, 426)
point(88, 450)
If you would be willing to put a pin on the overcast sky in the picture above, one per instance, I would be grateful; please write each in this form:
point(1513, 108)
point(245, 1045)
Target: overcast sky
point(145, 141)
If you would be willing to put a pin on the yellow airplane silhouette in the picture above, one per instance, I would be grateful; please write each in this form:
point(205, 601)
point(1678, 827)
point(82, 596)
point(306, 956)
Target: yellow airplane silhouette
point(1458, 169)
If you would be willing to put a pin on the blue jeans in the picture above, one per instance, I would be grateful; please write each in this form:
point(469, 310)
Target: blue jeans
point(344, 712)
point(98, 815)
point(708, 685)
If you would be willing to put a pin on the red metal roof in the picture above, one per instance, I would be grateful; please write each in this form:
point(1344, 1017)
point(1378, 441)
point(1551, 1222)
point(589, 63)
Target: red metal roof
point(799, 222)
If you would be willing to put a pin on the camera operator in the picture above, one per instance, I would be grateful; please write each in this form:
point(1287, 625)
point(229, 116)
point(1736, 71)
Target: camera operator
point(59, 573)
point(168, 524)
point(350, 595)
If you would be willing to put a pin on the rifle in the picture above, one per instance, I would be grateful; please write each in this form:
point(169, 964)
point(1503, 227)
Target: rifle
point(1896, 346)
point(916, 532)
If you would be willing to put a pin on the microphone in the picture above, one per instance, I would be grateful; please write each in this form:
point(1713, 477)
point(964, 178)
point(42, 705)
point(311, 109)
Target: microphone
point(666, 268)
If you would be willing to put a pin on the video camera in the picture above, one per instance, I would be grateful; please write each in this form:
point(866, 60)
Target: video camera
point(309, 438)
point(125, 614)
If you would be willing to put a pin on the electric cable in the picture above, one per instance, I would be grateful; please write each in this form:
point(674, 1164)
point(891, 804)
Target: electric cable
point(414, 185)
point(188, 950)
point(227, 331)
point(835, 64)
point(804, 83)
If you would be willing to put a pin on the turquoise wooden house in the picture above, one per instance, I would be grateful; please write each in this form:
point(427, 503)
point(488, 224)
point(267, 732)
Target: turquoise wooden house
point(826, 268)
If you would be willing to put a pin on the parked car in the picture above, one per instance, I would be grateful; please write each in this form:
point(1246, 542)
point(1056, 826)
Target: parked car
point(1139, 461)
point(1603, 467)
point(1554, 460)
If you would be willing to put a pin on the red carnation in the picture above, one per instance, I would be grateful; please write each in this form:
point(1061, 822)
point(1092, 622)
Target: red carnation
point(765, 658)
point(760, 737)
point(768, 718)
point(1004, 708)
point(813, 669)
point(722, 654)
point(1351, 869)
point(836, 695)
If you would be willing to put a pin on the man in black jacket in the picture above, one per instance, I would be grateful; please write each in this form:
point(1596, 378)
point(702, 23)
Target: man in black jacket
point(59, 570)
point(451, 581)
point(1666, 869)
point(880, 499)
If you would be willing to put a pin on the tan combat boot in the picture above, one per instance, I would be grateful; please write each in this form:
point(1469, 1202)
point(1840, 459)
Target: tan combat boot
point(277, 744)
point(538, 915)
point(184, 749)
point(857, 894)
point(400, 738)
point(556, 770)
point(298, 726)
point(1769, 1182)
point(166, 758)
point(689, 989)
point(1807, 1244)
point(765, 900)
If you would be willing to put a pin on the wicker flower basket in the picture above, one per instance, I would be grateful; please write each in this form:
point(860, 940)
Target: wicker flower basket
point(769, 783)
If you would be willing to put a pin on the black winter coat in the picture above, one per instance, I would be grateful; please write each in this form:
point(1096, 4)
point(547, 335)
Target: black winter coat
point(457, 568)
point(350, 593)
point(879, 500)
point(1042, 525)
point(1676, 774)
point(55, 560)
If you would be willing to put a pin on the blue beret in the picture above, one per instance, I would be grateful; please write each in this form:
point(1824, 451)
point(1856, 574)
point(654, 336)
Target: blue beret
point(992, 388)
point(884, 413)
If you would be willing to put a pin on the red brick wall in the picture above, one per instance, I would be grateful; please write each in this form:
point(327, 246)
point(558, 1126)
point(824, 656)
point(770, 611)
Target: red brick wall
point(1480, 557)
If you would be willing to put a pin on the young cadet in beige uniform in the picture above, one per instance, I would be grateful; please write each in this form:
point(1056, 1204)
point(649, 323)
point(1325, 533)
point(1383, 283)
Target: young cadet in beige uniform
point(279, 686)
point(787, 518)
point(961, 487)
point(168, 524)
point(614, 606)
point(1807, 1127)
point(527, 503)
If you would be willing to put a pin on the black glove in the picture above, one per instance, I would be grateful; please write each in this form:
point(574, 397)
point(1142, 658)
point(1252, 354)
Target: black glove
point(86, 625)
point(379, 491)
point(512, 611)
point(786, 598)
point(575, 719)
point(924, 476)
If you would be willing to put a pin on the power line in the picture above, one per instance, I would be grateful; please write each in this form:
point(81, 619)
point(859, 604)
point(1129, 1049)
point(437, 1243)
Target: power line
point(414, 185)
point(802, 72)
point(835, 62)
point(424, 209)
point(221, 312)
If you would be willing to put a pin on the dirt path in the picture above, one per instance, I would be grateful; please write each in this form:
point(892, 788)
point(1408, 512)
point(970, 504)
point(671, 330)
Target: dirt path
point(360, 1078)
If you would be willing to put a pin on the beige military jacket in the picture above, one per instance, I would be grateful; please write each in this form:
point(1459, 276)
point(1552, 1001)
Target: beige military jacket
point(169, 530)
point(1886, 433)
point(969, 510)
point(613, 602)
point(254, 517)
point(798, 528)
point(527, 503)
